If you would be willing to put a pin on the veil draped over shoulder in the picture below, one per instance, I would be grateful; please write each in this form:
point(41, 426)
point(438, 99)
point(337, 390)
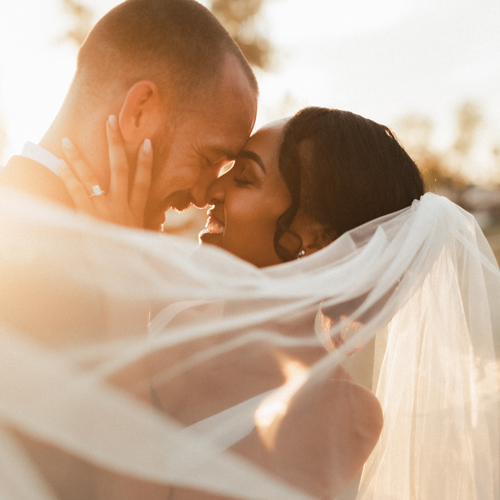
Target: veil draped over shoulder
point(135, 360)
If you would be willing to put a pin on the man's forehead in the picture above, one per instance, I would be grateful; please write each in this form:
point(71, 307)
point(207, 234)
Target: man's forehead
point(225, 140)
point(220, 130)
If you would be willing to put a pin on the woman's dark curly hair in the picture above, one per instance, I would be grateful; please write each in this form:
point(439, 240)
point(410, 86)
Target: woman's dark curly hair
point(342, 170)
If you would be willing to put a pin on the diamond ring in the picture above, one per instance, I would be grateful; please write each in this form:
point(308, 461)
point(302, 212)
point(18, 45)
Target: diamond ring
point(96, 191)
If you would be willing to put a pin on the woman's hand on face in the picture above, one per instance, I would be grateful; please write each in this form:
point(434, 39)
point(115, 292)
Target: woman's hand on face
point(119, 205)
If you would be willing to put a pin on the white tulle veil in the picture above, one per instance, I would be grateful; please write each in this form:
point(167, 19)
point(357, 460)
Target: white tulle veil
point(409, 304)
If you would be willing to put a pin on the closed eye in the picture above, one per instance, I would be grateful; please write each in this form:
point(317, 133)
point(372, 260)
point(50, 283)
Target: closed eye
point(244, 173)
point(242, 182)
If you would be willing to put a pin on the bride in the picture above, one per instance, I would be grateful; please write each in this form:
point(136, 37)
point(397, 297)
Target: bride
point(416, 276)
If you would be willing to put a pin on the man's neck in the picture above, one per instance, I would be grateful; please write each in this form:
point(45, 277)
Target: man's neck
point(61, 127)
point(88, 134)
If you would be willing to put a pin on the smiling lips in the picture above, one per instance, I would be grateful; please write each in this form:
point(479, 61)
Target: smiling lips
point(214, 225)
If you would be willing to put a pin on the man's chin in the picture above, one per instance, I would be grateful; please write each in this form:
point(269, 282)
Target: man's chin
point(154, 222)
point(179, 201)
point(180, 207)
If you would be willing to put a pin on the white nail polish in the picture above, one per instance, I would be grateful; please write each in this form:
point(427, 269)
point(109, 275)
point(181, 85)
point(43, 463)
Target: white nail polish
point(68, 144)
point(146, 146)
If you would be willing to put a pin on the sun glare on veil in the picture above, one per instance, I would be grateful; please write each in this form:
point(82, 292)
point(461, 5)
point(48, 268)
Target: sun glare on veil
point(274, 407)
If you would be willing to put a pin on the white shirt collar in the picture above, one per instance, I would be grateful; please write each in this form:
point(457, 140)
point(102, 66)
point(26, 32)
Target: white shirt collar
point(37, 153)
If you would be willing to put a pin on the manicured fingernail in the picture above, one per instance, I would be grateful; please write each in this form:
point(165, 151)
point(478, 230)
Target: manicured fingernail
point(113, 123)
point(68, 144)
point(62, 165)
point(146, 146)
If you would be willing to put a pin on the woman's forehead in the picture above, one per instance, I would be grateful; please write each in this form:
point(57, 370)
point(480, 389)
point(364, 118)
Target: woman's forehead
point(278, 124)
point(270, 133)
point(266, 143)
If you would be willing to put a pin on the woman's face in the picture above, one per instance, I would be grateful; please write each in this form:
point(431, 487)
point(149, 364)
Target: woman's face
point(248, 200)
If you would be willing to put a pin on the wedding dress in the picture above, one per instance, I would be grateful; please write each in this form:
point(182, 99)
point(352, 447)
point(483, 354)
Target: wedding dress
point(95, 317)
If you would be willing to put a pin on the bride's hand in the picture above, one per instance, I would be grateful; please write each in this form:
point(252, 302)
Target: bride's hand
point(119, 205)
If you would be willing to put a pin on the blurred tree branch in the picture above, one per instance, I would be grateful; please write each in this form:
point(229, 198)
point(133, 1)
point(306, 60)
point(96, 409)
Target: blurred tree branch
point(240, 18)
point(81, 21)
point(415, 132)
point(469, 117)
point(452, 167)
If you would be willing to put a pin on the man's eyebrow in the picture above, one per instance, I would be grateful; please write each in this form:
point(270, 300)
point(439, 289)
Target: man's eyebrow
point(220, 153)
point(244, 153)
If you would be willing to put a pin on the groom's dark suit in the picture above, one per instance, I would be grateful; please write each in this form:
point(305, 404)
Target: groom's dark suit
point(34, 179)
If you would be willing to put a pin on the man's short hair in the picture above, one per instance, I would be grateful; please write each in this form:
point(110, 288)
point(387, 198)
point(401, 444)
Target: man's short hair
point(178, 44)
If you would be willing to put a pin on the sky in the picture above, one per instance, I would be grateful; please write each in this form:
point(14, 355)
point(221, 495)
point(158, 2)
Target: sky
point(384, 59)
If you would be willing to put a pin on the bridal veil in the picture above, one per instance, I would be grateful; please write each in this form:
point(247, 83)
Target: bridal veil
point(96, 319)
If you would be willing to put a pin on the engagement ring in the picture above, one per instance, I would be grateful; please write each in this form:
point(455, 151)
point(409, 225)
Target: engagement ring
point(96, 191)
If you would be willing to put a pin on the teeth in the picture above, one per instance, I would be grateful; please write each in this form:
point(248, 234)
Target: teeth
point(213, 226)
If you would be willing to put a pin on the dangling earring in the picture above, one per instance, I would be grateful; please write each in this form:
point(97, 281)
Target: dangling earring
point(301, 254)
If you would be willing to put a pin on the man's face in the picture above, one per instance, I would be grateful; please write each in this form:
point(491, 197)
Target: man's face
point(203, 139)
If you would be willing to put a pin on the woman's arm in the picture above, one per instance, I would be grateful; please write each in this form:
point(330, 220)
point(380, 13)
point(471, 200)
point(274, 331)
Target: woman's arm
point(320, 444)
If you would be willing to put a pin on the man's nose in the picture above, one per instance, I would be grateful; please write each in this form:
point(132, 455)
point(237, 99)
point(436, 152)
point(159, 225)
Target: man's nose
point(216, 192)
point(199, 192)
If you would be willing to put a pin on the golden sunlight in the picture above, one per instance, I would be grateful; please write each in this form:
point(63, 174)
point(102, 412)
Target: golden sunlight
point(274, 407)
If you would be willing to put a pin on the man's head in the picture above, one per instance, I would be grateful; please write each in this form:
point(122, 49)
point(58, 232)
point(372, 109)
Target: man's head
point(173, 74)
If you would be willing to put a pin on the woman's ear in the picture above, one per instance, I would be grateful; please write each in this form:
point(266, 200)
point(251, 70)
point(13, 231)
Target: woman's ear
point(140, 115)
point(313, 234)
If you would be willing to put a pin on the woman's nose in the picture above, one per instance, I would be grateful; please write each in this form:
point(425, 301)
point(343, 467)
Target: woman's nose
point(216, 191)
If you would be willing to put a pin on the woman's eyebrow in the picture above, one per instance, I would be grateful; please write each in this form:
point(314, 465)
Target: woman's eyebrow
point(244, 153)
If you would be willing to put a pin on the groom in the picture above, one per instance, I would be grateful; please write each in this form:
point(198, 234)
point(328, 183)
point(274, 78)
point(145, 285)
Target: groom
point(171, 73)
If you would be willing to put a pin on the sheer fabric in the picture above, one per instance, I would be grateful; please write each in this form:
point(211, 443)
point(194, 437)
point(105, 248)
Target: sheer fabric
point(136, 360)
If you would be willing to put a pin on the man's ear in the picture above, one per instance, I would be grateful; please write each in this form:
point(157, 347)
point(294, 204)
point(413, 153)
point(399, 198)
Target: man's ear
point(140, 116)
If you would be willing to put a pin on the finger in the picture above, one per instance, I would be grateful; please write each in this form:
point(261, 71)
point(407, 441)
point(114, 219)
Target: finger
point(75, 188)
point(118, 162)
point(142, 180)
point(79, 166)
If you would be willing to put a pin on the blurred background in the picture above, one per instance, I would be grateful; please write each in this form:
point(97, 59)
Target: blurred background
point(429, 69)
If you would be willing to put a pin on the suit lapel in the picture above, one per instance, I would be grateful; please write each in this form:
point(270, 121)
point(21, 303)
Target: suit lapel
point(35, 179)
